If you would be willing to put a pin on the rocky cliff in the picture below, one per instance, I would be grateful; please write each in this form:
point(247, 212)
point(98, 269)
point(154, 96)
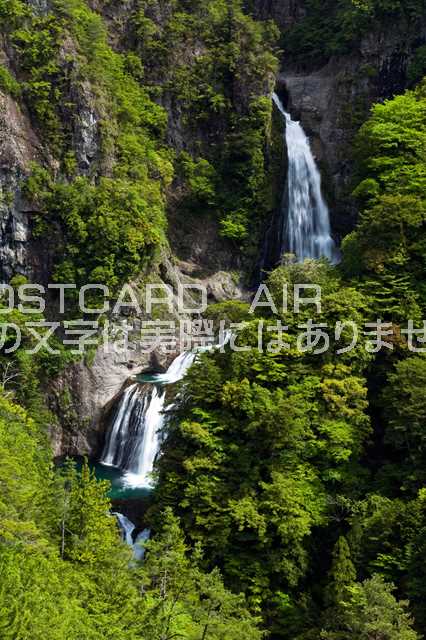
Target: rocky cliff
point(19, 147)
point(210, 74)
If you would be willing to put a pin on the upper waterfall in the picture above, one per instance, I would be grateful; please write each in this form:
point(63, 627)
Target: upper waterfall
point(307, 232)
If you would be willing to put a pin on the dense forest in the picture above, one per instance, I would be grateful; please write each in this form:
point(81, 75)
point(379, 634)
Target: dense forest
point(140, 141)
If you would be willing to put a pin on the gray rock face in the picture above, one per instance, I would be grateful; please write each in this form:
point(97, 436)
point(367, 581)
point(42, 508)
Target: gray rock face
point(82, 395)
point(18, 148)
point(85, 128)
point(80, 113)
point(284, 12)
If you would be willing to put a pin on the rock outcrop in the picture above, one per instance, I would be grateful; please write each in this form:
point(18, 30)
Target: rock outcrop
point(82, 395)
point(18, 148)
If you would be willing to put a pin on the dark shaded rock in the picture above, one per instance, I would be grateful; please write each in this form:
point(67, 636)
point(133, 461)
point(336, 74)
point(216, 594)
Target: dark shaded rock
point(19, 147)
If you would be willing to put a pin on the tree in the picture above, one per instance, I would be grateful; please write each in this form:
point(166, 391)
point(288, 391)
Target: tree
point(388, 247)
point(371, 612)
point(342, 573)
point(404, 400)
point(185, 601)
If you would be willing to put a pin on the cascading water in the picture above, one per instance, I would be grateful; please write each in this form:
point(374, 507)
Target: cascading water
point(307, 233)
point(133, 440)
point(127, 528)
point(139, 544)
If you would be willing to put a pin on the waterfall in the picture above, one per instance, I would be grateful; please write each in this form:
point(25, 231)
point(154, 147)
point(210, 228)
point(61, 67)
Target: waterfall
point(123, 439)
point(177, 369)
point(307, 233)
point(133, 440)
point(127, 528)
point(139, 545)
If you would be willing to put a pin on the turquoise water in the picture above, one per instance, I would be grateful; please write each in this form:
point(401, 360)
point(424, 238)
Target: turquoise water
point(146, 377)
point(118, 489)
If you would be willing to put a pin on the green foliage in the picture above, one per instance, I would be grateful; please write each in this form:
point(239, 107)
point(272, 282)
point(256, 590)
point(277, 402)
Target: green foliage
point(387, 536)
point(185, 601)
point(201, 178)
point(24, 367)
point(234, 226)
point(404, 403)
point(8, 83)
point(259, 443)
point(36, 42)
point(66, 576)
point(387, 248)
point(342, 574)
point(228, 311)
point(372, 611)
point(105, 233)
point(331, 27)
point(26, 475)
point(40, 597)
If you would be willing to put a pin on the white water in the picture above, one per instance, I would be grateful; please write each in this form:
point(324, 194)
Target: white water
point(177, 369)
point(307, 233)
point(142, 463)
point(133, 441)
point(109, 457)
point(127, 528)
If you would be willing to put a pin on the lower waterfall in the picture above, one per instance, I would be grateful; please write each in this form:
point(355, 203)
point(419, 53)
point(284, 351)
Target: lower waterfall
point(307, 232)
point(127, 528)
point(133, 440)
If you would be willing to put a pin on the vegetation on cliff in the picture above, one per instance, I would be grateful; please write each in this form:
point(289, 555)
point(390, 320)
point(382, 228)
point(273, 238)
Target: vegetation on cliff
point(302, 476)
point(96, 197)
point(333, 28)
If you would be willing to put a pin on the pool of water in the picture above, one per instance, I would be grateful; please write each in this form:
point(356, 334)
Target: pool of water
point(142, 378)
point(119, 490)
